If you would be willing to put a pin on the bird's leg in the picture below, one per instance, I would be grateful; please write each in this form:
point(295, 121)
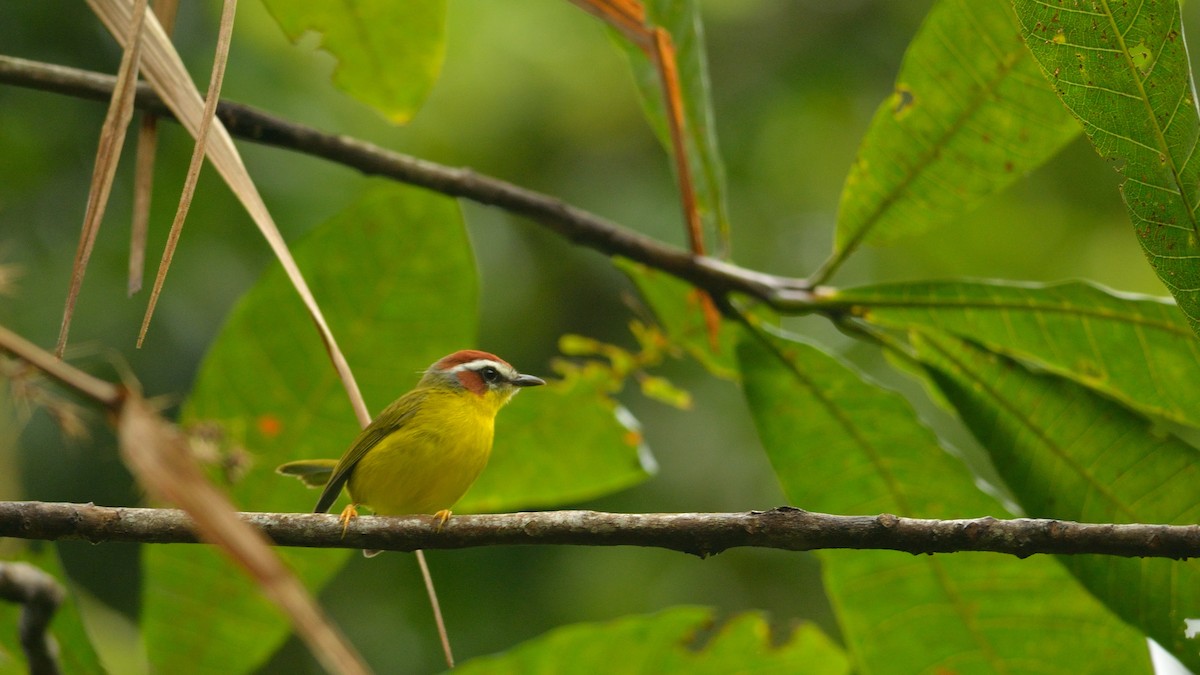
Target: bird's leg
point(349, 513)
point(439, 519)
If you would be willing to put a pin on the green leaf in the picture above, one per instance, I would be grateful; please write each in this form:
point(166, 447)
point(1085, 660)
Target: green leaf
point(968, 116)
point(675, 640)
point(389, 52)
point(1067, 453)
point(843, 445)
point(1135, 349)
point(67, 628)
point(1122, 69)
point(681, 19)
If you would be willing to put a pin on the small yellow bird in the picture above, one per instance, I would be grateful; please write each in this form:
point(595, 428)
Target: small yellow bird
point(424, 450)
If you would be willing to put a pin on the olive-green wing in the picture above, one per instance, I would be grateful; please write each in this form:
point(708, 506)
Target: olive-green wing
point(387, 422)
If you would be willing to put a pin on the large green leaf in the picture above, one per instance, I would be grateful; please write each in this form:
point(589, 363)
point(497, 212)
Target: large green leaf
point(1122, 69)
point(681, 19)
point(389, 52)
point(843, 445)
point(1138, 350)
point(1065, 452)
point(968, 117)
point(267, 394)
point(670, 641)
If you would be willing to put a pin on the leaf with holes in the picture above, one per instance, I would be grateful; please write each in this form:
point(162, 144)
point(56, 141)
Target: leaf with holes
point(1122, 69)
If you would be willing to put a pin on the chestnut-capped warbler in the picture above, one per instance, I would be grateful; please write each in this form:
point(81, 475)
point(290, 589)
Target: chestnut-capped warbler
point(424, 450)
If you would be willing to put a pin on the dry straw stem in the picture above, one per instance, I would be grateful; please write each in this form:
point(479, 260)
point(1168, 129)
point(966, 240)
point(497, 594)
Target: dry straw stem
point(701, 534)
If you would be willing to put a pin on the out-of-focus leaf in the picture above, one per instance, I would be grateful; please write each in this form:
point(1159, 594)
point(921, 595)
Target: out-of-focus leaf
point(1136, 349)
point(1122, 69)
point(968, 116)
point(843, 445)
point(662, 390)
point(676, 309)
point(1065, 452)
point(389, 52)
point(670, 642)
point(75, 650)
point(681, 19)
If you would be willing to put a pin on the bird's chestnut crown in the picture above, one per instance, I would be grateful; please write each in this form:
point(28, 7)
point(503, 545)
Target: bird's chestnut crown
point(478, 372)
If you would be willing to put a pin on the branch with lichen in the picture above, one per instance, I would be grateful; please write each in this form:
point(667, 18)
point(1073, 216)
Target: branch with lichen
point(701, 534)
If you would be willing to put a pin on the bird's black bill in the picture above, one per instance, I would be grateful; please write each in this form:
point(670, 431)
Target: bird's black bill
point(528, 381)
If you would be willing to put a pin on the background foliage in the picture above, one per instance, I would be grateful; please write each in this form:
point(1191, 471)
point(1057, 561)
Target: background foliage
point(996, 182)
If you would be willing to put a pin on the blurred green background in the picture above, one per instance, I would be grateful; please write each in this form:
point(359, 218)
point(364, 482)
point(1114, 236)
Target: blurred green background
point(535, 93)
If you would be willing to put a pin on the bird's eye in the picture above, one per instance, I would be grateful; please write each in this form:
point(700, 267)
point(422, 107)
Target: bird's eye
point(490, 374)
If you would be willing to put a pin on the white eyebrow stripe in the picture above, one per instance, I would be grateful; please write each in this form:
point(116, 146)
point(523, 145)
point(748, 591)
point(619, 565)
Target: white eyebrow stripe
point(478, 364)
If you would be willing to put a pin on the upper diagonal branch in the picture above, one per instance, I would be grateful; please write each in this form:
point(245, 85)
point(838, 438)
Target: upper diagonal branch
point(700, 534)
point(576, 225)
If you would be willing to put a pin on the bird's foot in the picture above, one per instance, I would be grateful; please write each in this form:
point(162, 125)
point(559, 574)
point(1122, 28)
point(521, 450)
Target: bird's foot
point(349, 513)
point(439, 519)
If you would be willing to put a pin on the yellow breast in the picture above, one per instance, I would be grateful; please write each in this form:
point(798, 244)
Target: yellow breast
point(429, 462)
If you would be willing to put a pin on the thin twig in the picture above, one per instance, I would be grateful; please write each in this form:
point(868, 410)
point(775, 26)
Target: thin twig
point(701, 534)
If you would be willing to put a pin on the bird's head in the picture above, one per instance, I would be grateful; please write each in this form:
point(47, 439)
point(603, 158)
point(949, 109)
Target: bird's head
point(479, 373)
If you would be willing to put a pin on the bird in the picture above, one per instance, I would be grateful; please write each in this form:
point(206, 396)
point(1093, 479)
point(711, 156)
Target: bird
point(424, 450)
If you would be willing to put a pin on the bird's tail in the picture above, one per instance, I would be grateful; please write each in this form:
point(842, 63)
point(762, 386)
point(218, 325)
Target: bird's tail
point(312, 472)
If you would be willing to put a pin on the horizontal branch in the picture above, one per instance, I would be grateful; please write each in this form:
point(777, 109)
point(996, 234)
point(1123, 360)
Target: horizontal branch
point(574, 224)
point(701, 534)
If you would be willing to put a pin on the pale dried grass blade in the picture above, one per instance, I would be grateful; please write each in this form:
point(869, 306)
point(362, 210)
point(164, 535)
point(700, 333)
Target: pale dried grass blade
point(224, 37)
point(163, 69)
point(112, 137)
point(143, 174)
point(143, 187)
